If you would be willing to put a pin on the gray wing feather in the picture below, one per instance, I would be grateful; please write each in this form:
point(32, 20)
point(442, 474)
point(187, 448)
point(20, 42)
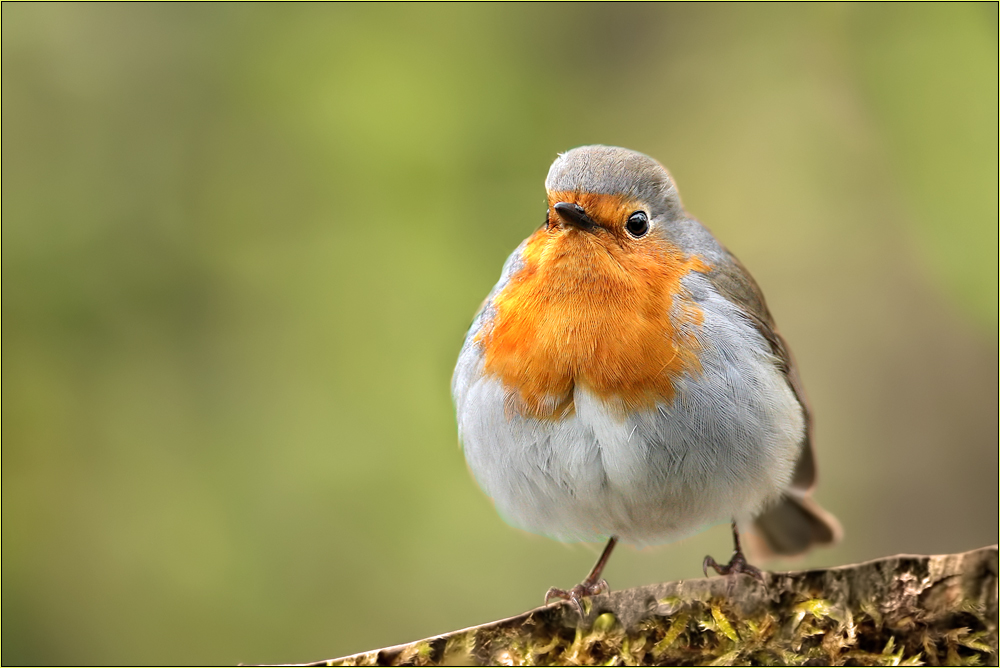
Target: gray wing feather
point(796, 522)
point(734, 282)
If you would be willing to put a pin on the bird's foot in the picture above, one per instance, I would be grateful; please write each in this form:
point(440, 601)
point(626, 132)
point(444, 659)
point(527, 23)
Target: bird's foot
point(738, 564)
point(577, 593)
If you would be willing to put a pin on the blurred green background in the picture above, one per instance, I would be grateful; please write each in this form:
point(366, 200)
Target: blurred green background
point(242, 245)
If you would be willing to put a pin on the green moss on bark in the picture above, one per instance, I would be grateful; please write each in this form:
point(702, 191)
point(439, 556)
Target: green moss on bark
point(900, 611)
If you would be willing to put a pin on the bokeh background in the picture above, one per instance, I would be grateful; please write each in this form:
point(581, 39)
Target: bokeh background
point(242, 245)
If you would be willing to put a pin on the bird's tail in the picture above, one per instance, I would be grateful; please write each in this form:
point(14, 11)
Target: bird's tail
point(791, 527)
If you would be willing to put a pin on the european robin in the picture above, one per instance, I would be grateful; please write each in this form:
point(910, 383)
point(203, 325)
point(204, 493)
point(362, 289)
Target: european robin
point(624, 380)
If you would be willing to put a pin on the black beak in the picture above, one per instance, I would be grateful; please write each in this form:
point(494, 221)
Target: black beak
point(574, 215)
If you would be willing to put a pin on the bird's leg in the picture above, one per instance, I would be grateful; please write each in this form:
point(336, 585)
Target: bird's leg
point(737, 564)
point(592, 586)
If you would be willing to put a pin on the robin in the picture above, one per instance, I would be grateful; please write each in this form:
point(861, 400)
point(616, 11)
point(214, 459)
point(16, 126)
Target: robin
point(624, 380)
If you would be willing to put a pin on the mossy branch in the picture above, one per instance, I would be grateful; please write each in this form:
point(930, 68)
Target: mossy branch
point(899, 611)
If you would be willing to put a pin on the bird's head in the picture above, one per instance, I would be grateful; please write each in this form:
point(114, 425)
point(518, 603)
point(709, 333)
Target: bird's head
point(618, 196)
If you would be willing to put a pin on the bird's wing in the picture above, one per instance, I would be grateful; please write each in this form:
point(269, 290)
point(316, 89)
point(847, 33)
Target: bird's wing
point(796, 522)
point(734, 282)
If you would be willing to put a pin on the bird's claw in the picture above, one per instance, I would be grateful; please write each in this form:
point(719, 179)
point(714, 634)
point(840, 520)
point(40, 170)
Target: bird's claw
point(577, 593)
point(738, 564)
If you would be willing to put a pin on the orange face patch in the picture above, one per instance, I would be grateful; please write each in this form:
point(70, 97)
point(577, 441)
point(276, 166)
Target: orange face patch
point(592, 308)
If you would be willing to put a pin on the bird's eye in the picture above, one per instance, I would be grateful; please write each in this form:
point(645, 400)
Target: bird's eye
point(638, 224)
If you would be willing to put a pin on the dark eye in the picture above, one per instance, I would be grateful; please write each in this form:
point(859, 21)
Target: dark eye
point(638, 224)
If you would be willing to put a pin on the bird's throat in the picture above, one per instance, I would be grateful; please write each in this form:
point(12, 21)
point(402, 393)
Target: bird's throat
point(584, 312)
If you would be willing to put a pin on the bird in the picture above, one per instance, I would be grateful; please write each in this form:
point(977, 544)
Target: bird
point(624, 380)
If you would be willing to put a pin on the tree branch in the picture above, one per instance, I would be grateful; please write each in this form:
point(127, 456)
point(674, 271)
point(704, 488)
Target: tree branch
point(904, 610)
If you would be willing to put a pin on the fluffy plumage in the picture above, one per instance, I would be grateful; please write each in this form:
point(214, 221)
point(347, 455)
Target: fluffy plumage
point(629, 385)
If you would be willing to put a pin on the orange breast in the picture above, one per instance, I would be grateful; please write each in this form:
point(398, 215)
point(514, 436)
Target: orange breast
point(593, 311)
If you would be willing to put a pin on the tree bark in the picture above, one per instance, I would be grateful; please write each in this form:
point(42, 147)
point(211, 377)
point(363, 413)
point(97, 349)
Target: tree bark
point(898, 611)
